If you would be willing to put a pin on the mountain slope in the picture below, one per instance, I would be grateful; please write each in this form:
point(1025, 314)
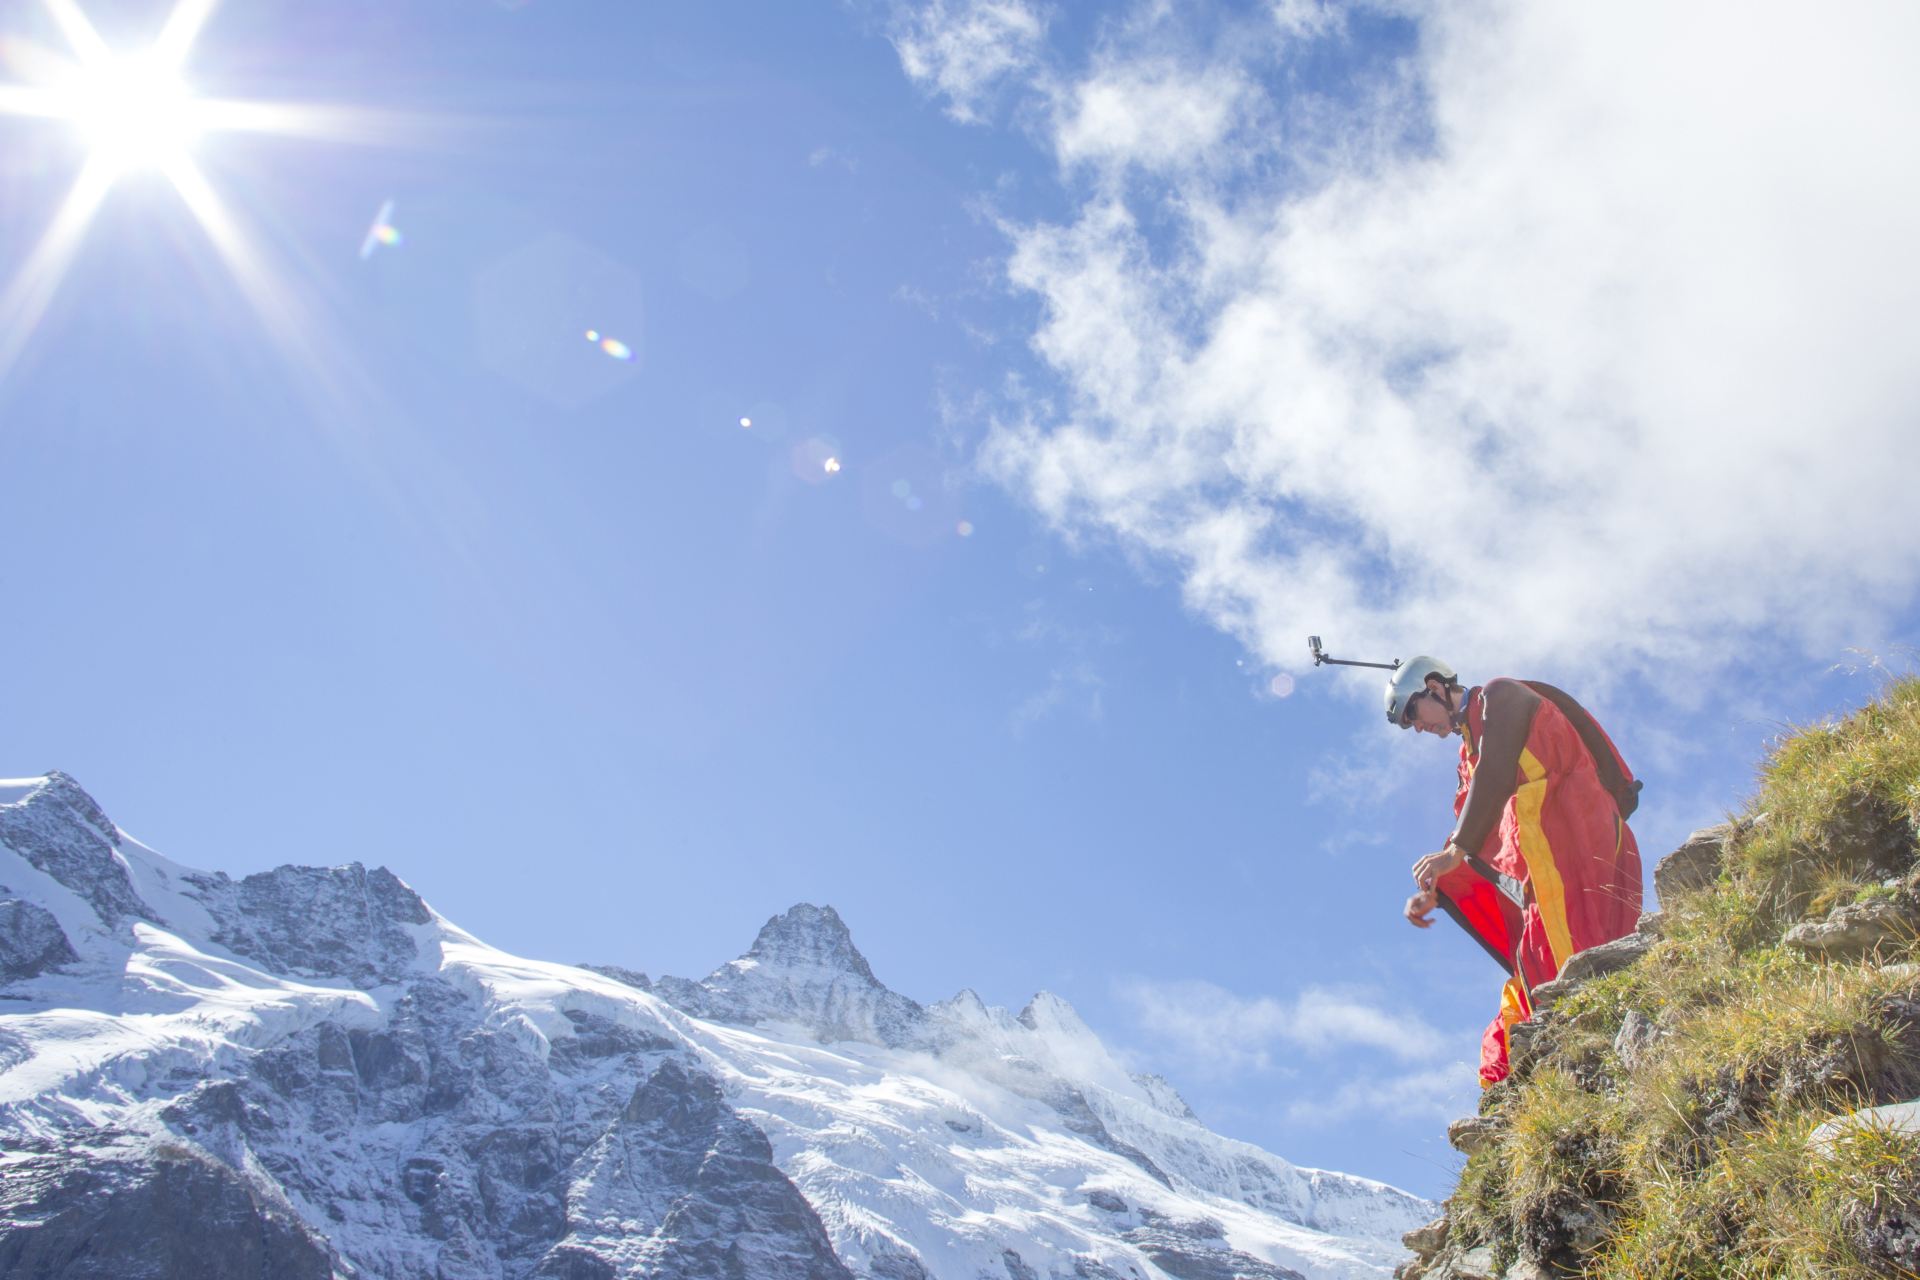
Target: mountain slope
point(308, 1072)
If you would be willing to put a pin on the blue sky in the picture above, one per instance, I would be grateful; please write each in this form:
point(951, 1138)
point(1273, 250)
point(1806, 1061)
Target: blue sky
point(1530, 340)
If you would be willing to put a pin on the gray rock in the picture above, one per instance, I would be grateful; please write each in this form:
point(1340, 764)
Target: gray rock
point(1637, 1039)
point(1594, 962)
point(1695, 864)
point(1608, 957)
point(318, 922)
point(1017, 1268)
point(1198, 1250)
point(1524, 1268)
point(1106, 1201)
point(898, 1266)
point(711, 1203)
point(632, 977)
point(1429, 1239)
point(1854, 931)
point(31, 941)
point(1520, 1038)
point(802, 968)
point(1471, 1134)
point(1474, 1264)
point(59, 829)
point(176, 1215)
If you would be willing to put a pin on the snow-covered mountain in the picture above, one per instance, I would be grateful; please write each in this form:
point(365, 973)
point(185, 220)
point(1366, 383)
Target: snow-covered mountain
point(309, 1073)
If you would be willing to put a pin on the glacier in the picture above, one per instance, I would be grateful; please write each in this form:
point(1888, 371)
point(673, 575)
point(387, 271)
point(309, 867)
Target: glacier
point(308, 1072)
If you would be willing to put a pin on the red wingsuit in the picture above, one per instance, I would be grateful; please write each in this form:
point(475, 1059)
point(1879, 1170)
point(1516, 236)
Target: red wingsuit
point(1532, 806)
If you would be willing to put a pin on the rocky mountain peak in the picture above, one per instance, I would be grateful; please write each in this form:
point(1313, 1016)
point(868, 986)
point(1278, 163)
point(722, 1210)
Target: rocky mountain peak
point(803, 968)
point(810, 937)
point(58, 828)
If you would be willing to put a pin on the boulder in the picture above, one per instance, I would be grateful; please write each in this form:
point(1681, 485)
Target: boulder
point(1901, 1117)
point(1474, 1264)
point(1470, 1134)
point(1429, 1239)
point(1854, 931)
point(1696, 863)
point(1594, 962)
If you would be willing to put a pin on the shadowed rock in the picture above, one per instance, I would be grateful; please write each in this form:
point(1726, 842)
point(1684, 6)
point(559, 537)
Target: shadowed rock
point(31, 941)
point(713, 1205)
point(177, 1215)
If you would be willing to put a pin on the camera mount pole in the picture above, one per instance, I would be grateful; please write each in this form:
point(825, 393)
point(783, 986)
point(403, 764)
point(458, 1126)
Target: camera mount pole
point(1319, 658)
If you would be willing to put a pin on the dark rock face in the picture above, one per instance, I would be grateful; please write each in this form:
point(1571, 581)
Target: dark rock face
point(31, 941)
point(558, 1169)
point(1198, 1250)
point(1017, 1268)
point(318, 922)
point(714, 1205)
point(60, 830)
point(175, 1215)
point(619, 973)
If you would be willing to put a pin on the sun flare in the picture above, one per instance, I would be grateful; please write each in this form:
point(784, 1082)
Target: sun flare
point(137, 113)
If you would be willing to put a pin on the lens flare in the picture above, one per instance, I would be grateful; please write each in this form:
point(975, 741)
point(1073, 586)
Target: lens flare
point(746, 422)
point(381, 234)
point(816, 460)
point(612, 346)
point(964, 528)
point(1282, 685)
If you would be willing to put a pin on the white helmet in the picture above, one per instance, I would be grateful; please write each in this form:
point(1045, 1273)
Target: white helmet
point(1411, 678)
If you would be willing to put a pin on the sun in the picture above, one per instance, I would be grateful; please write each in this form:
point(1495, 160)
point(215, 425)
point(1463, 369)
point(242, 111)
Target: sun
point(137, 113)
point(134, 112)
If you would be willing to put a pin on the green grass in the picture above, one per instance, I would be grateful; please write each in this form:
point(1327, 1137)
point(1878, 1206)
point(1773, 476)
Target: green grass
point(1684, 1153)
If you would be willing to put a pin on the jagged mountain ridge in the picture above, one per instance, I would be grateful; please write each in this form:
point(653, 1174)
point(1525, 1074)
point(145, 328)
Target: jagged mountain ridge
point(327, 1078)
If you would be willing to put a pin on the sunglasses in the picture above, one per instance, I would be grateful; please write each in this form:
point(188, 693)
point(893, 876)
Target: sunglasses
point(1406, 712)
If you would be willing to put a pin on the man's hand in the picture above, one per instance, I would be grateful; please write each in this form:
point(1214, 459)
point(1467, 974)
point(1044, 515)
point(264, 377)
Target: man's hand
point(1420, 906)
point(1430, 868)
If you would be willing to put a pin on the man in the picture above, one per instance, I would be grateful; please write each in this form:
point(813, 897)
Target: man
point(1540, 864)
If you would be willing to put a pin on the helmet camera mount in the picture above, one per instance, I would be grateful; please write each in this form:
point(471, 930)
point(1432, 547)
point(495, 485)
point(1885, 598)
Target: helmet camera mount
point(1319, 658)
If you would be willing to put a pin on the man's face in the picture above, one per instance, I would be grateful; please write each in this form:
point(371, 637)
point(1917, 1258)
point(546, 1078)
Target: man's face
point(1429, 712)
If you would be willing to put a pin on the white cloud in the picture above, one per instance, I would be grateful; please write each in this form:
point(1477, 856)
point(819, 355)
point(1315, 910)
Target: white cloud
point(962, 49)
point(1436, 1094)
point(1155, 116)
point(1612, 366)
point(1219, 1033)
